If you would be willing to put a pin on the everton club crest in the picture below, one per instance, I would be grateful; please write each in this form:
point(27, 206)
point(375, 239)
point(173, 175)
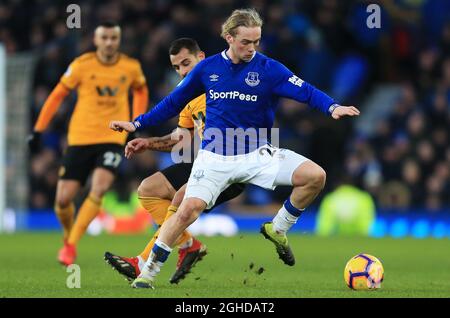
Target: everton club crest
point(252, 79)
point(199, 174)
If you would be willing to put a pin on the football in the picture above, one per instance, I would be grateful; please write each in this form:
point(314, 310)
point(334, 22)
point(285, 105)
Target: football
point(364, 272)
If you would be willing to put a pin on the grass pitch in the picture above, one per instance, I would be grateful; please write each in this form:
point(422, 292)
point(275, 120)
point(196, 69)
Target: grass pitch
point(241, 266)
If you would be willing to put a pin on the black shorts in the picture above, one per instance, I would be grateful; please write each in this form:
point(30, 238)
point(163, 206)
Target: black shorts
point(178, 175)
point(79, 161)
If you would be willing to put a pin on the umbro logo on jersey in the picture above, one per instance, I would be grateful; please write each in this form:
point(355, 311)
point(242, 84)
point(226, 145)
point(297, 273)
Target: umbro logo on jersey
point(214, 78)
point(252, 79)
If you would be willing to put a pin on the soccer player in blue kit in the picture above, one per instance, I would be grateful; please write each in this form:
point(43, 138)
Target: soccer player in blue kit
point(242, 89)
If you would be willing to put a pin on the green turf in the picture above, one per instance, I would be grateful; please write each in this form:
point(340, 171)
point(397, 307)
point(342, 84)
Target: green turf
point(413, 268)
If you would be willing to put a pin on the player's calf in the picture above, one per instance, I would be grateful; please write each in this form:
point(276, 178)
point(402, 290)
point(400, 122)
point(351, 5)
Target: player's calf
point(308, 180)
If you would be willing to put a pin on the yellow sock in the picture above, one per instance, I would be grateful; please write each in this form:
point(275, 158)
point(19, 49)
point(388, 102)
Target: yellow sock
point(88, 211)
point(183, 238)
point(148, 248)
point(156, 207)
point(171, 210)
point(65, 217)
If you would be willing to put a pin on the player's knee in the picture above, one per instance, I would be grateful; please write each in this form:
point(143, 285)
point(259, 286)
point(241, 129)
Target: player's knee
point(62, 202)
point(152, 186)
point(187, 217)
point(312, 176)
point(190, 211)
point(318, 178)
point(144, 190)
point(99, 191)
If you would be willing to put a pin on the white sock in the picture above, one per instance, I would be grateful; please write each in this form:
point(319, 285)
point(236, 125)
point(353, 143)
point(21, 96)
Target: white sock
point(141, 262)
point(155, 261)
point(283, 221)
point(151, 268)
point(186, 244)
point(163, 245)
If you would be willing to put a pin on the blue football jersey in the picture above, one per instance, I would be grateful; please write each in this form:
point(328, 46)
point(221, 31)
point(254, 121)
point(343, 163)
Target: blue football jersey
point(241, 100)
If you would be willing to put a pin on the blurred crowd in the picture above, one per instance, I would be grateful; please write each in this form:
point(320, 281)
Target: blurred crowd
point(404, 163)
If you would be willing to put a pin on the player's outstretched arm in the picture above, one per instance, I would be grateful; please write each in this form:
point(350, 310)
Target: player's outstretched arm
point(287, 84)
point(47, 113)
point(189, 88)
point(135, 146)
point(164, 143)
point(169, 107)
point(139, 145)
point(140, 100)
point(119, 125)
point(342, 111)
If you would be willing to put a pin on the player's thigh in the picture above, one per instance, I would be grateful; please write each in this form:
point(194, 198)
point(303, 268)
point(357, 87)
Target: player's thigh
point(211, 174)
point(271, 166)
point(167, 182)
point(107, 161)
point(66, 190)
point(156, 186)
point(229, 194)
point(77, 163)
point(310, 173)
point(108, 156)
point(102, 180)
point(290, 163)
point(178, 174)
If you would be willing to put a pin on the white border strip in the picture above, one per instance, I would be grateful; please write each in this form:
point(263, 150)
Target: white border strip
point(2, 134)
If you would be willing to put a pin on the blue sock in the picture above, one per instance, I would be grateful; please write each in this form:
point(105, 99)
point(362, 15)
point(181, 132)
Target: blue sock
point(159, 254)
point(160, 251)
point(292, 209)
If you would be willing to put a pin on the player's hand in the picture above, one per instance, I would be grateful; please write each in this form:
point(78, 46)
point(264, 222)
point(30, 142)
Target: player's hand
point(34, 141)
point(136, 145)
point(342, 111)
point(122, 125)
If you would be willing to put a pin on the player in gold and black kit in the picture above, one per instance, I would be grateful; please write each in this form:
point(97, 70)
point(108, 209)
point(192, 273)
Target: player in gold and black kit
point(157, 192)
point(102, 80)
